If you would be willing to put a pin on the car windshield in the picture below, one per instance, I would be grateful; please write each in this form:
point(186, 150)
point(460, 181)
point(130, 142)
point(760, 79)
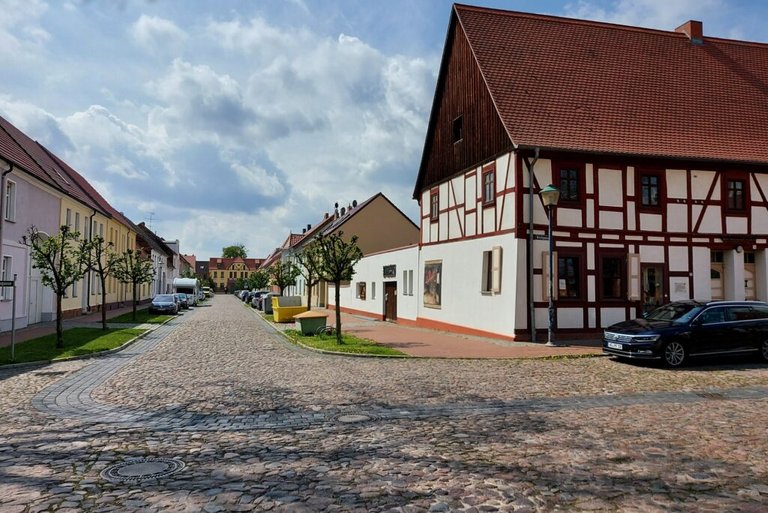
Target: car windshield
point(677, 312)
point(181, 296)
point(164, 297)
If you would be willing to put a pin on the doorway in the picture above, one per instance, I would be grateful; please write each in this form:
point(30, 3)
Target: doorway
point(390, 300)
point(653, 286)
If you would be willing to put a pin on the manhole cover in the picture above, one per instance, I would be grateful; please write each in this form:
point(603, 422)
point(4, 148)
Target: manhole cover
point(354, 418)
point(141, 469)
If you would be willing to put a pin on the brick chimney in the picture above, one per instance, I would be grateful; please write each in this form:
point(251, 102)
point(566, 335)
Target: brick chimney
point(694, 30)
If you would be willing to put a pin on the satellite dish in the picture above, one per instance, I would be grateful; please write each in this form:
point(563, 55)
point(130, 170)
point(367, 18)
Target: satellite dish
point(42, 236)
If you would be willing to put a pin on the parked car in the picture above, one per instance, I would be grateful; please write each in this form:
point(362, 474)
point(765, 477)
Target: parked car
point(677, 331)
point(208, 291)
point(164, 304)
point(192, 299)
point(183, 300)
point(255, 297)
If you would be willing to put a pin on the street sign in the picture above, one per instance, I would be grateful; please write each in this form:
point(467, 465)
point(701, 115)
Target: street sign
point(537, 236)
point(6, 283)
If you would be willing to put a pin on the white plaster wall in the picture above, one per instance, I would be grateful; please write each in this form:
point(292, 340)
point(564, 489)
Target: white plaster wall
point(370, 270)
point(463, 303)
point(652, 254)
point(676, 183)
point(570, 318)
point(508, 212)
point(678, 258)
point(568, 217)
point(711, 221)
point(736, 225)
point(489, 219)
point(702, 282)
point(701, 183)
point(759, 219)
point(610, 316)
point(611, 220)
point(610, 182)
point(652, 222)
point(734, 275)
point(761, 275)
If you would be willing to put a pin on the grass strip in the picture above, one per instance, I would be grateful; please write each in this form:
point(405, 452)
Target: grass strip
point(142, 316)
point(77, 342)
point(351, 344)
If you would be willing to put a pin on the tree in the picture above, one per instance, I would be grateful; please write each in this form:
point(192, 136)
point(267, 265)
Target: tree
point(238, 250)
point(283, 274)
point(309, 259)
point(259, 279)
point(240, 284)
point(102, 259)
point(134, 268)
point(62, 262)
point(337, 263)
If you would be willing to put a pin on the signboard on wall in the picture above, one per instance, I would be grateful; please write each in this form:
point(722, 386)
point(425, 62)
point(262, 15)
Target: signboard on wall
point(390, 271)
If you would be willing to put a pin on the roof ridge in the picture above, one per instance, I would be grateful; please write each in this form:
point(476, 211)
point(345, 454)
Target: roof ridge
point(584, 22)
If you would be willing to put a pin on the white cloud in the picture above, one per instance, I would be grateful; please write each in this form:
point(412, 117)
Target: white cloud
point(157, 34)
point(661, 14)
point(21, 35)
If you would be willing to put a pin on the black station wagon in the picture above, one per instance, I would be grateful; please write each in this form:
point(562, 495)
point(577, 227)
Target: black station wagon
point(674, 332)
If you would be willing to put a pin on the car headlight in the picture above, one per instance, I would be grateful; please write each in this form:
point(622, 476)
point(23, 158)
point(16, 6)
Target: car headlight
point(647, 338)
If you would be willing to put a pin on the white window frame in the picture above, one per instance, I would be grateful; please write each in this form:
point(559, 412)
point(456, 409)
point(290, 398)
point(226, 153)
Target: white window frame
point(6, 293)
point(10, 201)
point(373, 290)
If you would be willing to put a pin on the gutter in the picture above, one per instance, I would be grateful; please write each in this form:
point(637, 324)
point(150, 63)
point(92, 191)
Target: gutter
point(90, 271)
point(529, 249)
point(3, 179)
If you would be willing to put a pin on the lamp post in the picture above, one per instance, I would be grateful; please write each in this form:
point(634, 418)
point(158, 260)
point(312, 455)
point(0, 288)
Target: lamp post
point(550, 195)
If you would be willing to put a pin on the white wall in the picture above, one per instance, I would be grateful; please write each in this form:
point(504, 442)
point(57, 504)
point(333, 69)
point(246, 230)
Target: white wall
point(370, 270)
point(462, 302)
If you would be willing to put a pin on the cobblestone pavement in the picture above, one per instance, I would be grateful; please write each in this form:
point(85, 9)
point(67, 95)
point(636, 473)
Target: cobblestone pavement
point(263, 425)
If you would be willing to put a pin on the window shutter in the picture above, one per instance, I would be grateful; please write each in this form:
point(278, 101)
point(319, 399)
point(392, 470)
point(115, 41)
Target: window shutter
point(545, 274)
point(634, 288)
point(496, 270)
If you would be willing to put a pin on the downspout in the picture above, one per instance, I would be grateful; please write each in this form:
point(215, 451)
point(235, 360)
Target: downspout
point(529, 249)
point(90, 272)
point(2, 202)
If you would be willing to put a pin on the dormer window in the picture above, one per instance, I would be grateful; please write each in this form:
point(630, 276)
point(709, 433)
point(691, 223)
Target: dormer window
point(458, 129)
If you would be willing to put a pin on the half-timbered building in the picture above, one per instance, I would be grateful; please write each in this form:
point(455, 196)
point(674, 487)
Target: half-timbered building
point(656, 140)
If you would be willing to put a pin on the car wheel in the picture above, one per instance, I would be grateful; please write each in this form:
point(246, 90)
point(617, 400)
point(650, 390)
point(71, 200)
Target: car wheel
point(764, 351)
point(674, 354)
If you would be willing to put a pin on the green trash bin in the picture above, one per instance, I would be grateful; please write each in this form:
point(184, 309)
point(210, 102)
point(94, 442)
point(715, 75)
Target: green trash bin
point(309, 322)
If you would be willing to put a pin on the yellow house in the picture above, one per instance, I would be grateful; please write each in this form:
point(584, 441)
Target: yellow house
point(224, 271)
point(85, 211)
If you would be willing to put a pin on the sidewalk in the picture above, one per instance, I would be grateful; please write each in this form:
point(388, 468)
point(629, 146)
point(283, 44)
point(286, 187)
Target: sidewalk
point(46, 328)
point(442, 344)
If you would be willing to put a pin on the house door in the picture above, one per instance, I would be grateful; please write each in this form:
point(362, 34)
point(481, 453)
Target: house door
point(390, 301)
point(35, 300)
point(653, 286)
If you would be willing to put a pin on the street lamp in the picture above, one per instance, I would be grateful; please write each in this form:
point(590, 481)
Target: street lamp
point(549, 197)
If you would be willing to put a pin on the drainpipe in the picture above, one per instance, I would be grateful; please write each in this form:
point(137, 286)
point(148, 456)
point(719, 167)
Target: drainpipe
point(8, 168)
point(529, 249)
point(90, 273)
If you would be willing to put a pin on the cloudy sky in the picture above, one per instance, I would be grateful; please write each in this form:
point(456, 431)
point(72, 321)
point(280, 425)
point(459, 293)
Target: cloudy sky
point(223, 122)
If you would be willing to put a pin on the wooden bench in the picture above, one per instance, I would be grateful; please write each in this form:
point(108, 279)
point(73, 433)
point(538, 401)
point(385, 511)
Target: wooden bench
point(285, 307)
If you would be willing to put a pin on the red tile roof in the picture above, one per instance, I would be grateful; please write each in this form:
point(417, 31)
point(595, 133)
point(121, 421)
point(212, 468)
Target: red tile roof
point(585, 86)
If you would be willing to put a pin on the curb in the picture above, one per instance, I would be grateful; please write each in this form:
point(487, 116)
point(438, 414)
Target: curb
point(85, 356)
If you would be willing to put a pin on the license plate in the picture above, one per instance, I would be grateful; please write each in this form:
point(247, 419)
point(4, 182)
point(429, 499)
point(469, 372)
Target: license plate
point(614, 345)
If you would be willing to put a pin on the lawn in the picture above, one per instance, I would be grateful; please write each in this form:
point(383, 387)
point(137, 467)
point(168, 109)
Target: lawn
point(351, 344)
point(142, 316)
point(77, 342)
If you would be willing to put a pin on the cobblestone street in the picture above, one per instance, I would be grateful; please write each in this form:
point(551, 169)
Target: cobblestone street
point(260, 425)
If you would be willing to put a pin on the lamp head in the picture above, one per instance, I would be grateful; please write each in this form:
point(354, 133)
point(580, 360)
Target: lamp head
point(550, 195)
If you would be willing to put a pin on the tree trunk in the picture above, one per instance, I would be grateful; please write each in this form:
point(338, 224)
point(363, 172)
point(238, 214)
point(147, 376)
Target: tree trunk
point(309, 295)
point(59, 324)
point(134, 301)
point(338, 313)
point(103, 304)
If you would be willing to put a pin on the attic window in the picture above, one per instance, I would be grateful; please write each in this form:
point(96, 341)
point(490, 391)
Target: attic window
point(458, 129)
